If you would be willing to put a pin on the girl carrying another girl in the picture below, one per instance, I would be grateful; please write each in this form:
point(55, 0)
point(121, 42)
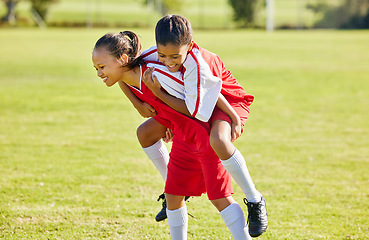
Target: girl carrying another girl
point(193, 168)
point(207, 91)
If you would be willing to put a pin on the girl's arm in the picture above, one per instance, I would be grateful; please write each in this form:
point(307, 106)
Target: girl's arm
point(179, 105)
point(153, 84)
point(143, 108)
point(173, 102)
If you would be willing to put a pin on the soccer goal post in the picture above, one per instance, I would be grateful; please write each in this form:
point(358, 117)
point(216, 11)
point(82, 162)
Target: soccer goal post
point(269, 15)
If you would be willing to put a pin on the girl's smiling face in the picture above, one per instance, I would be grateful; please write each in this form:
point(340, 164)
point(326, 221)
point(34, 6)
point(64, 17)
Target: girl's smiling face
point(173, 56)
point(108, 68)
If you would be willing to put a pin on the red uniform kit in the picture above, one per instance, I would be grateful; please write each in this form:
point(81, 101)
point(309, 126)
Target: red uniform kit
point(202, 77)
point(194, 168)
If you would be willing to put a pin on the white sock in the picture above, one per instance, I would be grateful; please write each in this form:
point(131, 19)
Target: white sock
point(234, 218)
point(159, 156)
point(236, 166)
point(178, 223)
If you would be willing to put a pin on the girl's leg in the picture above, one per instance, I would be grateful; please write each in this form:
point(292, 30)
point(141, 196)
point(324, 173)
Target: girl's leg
point(149, 132)
point(177, 216)
point(149, 135)
point(233, 217)
point(220, 139)
point(232, 159)
point(234, 163)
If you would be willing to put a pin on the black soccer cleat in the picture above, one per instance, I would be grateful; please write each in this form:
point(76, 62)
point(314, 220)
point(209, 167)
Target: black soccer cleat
point(257, 219)
point(162, 215)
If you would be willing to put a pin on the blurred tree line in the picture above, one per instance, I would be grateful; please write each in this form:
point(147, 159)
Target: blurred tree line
point(243, 10)
point(164, 7)
point(348, 14)
point(39, 6)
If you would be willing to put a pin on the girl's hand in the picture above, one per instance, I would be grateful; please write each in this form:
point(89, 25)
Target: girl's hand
point(168, 136)
point(151, 81)
point(146, 110)
point(236, 129)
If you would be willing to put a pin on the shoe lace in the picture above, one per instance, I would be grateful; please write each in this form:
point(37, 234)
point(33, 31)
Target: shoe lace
point(161, 196)
point(254, 211)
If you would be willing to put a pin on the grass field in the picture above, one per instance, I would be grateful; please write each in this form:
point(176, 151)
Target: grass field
point(71, 167)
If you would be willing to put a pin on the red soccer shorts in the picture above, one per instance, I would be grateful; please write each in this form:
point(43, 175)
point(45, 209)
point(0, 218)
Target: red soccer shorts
point(241, 108)
point(192, 173)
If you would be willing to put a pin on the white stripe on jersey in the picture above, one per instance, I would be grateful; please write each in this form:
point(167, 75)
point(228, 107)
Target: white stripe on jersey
point(202, 88)
point(171, 82)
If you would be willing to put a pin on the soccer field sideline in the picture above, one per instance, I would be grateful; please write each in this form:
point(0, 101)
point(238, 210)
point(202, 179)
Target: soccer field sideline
point(71, 167)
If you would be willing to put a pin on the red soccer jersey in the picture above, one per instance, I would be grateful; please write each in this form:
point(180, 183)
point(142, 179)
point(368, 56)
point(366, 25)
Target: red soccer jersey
point(200, 90)
point(231, 88)
point(194, 168)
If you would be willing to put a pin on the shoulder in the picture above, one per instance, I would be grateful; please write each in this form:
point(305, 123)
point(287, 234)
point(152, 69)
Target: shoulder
point(213, 60)
point(206, 54)
point(149, 51)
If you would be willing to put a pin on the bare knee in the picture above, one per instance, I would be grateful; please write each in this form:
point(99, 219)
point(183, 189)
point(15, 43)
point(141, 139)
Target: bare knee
point(220, 136)
point(221, 144)
point(222, 203)
point(217, 140)
point(141, 134)
point(174, 201)
point(150, 132)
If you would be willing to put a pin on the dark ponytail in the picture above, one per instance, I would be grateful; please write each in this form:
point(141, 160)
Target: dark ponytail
point(126, 42)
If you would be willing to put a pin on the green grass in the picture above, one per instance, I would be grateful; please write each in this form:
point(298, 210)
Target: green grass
point(71, 167)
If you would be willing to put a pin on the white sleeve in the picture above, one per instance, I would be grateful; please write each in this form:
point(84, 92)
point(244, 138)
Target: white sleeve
point(150, 54)
point(171, 82)
point(202, 88)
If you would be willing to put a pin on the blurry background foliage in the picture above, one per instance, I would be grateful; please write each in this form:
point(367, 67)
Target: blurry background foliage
point(41, 6)
point(347, 14)
point(202, 13)
point(164, 6)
